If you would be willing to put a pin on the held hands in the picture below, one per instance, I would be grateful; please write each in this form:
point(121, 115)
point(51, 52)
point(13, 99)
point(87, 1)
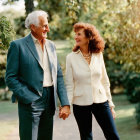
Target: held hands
point(64, 112)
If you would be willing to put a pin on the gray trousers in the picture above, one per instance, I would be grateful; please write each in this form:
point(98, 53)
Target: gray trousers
point(36, 119)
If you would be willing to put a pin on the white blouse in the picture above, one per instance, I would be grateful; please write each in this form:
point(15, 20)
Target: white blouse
point(87, 84)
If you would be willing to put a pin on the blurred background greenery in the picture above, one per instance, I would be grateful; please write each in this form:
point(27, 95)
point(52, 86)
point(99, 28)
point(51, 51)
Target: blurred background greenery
point(119, 24)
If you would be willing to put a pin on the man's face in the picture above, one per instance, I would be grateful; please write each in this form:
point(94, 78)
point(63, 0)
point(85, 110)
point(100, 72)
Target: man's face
point(40, 32)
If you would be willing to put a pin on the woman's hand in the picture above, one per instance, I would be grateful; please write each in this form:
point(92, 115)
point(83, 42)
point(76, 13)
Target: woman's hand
point(64, 112)
point(113, 112)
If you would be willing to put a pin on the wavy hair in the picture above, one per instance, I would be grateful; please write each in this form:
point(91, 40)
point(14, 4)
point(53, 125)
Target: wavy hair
point(96, 42)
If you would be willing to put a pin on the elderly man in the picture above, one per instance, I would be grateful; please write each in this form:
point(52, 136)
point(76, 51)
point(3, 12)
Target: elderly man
point(35, 77)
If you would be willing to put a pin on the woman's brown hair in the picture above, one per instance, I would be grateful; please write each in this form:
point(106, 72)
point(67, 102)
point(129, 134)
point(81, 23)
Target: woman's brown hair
point(96, 42)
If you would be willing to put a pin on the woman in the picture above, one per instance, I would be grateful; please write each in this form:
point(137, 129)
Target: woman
point(88, 84)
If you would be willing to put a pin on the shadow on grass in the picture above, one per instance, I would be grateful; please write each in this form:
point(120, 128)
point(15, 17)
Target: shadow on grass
point(127, 128)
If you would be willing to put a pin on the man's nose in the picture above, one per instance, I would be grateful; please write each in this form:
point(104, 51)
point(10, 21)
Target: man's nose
point(47, 29)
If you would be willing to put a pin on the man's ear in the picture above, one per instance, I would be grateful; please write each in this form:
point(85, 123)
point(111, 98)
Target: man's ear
point(32, 27)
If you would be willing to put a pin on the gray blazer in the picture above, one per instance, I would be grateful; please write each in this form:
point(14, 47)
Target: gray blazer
point(24, 73)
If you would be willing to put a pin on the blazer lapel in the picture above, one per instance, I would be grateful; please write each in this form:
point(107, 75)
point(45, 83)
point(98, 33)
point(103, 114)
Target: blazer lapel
point(31, 46)
point(52, 59)
point(49, 52)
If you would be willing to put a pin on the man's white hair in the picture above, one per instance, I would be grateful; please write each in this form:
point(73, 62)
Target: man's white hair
point(33, 18)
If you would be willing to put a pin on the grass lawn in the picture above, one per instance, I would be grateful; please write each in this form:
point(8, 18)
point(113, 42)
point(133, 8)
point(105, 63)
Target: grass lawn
point(8, 118)
point(62, 48)
point(125, 121)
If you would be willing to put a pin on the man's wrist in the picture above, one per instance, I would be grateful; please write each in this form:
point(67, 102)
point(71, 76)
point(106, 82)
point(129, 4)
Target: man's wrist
point(66, 106)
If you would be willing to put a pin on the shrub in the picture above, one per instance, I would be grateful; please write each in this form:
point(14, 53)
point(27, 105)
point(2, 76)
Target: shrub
point(132, 86)
point(138, 114)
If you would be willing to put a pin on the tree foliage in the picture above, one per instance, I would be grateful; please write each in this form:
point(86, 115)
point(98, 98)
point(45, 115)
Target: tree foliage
point(7, 33)
point(118, 22)
point(125, 41)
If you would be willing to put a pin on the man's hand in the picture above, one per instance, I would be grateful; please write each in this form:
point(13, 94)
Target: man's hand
point(64, 112)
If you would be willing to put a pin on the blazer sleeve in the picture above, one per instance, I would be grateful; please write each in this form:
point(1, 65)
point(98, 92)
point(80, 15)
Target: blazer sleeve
point(61, 89)
point(106, 83)
point(20, 90)
point(69, 79)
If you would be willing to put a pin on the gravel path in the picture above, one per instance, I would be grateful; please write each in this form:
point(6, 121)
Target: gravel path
point(64, 130)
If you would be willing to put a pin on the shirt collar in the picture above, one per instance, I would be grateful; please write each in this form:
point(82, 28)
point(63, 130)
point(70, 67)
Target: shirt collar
point(34, 39)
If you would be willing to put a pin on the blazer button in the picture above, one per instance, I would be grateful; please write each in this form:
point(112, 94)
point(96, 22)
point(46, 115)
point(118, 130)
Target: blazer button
point(41, 82)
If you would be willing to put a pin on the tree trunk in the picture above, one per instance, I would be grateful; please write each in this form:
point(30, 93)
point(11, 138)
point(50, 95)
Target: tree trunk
point(29, 6)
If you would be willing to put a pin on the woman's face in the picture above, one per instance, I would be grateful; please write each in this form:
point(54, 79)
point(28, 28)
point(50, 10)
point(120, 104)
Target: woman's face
point(80, 38)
